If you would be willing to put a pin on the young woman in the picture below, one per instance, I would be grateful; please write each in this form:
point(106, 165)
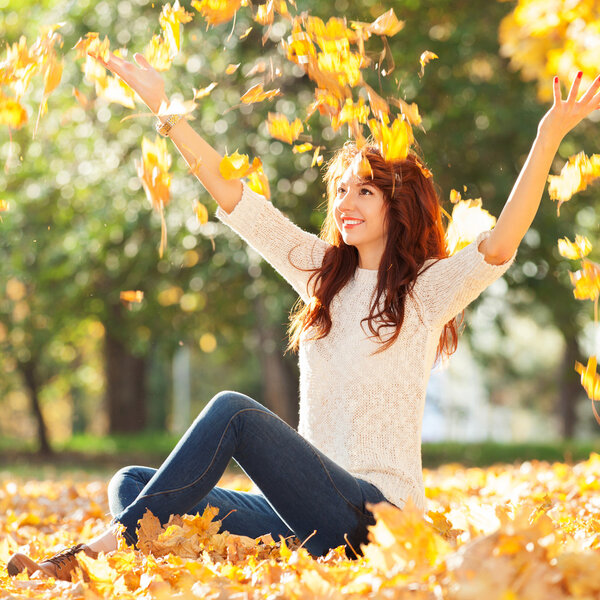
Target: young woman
point(381, 297)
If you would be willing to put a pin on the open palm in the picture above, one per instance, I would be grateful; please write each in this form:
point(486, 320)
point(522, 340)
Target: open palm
point(564, 115)
point(143, 78)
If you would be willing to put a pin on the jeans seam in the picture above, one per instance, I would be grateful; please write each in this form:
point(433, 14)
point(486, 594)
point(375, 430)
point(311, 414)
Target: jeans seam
point(359, 511)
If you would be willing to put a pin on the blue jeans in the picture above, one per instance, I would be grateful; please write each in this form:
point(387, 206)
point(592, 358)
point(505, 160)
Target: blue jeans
point(301, 489)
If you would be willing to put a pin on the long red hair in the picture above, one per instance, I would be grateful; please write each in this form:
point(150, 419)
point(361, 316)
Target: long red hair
point(415, 234)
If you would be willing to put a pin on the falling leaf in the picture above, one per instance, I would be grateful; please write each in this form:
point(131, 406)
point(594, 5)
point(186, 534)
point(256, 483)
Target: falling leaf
point(201, 212)
point(425, 58)
point(176, 107)
point(81, 98)
point(153, 170)
point(257, 94)
point(237, 166)
point(231, 68)
point(574, 250)
point(468, 220)
point(157, 53)
point(265, 13)
point(394, 141)
point(351, 113)
point(299, 148)
point(3, 205)
point(586, 283)
point(91, 44)
point(246, 33)
point(203, 92)
point(170, 21)
point(574, 177)
point(217, 11)
point(11, 113)
point(317, 157)
point(454, 196)
point(385, 24)
point(132, 296)
point(280, 128)
point(590, 382)
point(258, 182)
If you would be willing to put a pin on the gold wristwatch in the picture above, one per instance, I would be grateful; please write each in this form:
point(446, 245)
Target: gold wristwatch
point(164, 128)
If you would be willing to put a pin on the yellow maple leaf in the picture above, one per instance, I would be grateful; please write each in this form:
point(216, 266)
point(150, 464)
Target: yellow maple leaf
point(468, 220)
point(11, 112)
point(170, 21)
point(201, 212)
point(574, 250)
point(90, 43)
point(236, 166)
point(217, 11)
point(205, 91)
point(351, 113)
point(153, 170)
point(590, 382)
point(299, 148)
point(258, 182)
point(157, 53)
point(574, 177)
point(394, 141)
point(257, 94)
point(385, 24)
point(265, 13)
point(280, 128)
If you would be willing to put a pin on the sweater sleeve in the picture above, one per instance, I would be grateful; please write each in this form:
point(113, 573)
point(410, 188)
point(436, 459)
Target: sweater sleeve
point(452, 283)
point(284, 245)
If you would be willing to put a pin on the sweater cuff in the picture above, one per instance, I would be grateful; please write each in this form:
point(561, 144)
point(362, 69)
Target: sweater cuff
point(483, 264)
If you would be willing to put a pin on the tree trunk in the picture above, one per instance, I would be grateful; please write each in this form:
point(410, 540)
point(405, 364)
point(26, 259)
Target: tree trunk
point(569, 388)
point(29, 373)
point(125, 387)
point(280, 391)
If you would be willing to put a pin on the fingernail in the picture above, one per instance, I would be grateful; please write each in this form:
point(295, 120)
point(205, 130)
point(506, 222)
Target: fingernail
point(580, 74)
point(556, 79)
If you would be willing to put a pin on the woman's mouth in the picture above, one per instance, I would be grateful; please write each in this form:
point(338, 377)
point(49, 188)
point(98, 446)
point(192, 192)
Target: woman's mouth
point(350, 223)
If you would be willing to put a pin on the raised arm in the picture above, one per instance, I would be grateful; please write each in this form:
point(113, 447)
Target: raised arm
point(523, 202)
point(202, 158)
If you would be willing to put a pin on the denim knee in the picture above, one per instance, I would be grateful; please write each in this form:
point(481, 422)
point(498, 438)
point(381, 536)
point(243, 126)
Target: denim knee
point(229, 402)
point(123, 488)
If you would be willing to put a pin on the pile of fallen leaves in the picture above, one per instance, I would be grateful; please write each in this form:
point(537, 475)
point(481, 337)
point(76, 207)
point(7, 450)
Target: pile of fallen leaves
point(506, 532)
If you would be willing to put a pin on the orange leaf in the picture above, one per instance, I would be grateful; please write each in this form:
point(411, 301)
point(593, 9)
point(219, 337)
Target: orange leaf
point(157, 53)
point(170, 21)
point(201, 93)
point(217, 11)
point(201, 212)
point(132, 296)
point(258, 182)
point(394, 141)
point(425, 58)
point(237, 166)
point(257, 94)
point(3, 205)
point(231, 68)
point(386, 24)
point(299, 148)
point(280, 128)
point(91, 44)
point(11, 113)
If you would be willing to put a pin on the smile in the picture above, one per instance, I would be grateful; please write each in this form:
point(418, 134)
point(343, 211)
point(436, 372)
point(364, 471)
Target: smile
point(349, 223)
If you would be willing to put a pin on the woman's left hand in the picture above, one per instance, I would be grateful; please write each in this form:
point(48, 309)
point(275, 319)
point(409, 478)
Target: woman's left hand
point(564, 115)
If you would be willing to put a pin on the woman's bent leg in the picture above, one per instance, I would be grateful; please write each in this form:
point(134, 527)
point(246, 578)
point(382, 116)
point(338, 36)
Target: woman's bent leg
point(242, 513)
point(306, 489)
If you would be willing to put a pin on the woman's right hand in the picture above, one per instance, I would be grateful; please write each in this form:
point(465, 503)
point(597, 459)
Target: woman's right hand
point(144, 79)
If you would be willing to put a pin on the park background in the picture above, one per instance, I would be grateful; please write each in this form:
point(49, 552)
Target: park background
point(83, 373)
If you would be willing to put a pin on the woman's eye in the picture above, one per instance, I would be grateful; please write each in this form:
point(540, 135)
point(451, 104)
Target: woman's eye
point(340, 190)
point(365, 191)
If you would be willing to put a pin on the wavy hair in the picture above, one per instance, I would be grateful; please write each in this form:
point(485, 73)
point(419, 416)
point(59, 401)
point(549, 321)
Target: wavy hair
point(415, 233)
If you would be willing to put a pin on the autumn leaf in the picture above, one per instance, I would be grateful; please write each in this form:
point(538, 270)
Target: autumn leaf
point(468, 220)
point(574, 177)
point(217, 11)
point(170, 21)
point(91, 44)
point(153, 170)
point(231, 68)
point(157, 53)
point(12, 113)
point(574, 250)
point(394, 141)
point(258, 182)
point(586, 283)
point(385, 24)
point(130, 296)
point(257, 94)
point(203, 92)
point(425, 58)
point(280, 128)
point(300, 148)
point(201, 212)
point(590, 382)
point(236, 166)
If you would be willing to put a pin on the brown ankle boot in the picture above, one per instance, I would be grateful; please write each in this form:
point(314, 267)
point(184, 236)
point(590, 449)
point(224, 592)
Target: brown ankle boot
point(59, 566)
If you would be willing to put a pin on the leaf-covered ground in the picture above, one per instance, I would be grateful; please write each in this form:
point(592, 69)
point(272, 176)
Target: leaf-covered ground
point(506, 532)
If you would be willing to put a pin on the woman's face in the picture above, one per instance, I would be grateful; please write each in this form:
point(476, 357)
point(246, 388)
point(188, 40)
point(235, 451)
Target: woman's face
point(359, 208)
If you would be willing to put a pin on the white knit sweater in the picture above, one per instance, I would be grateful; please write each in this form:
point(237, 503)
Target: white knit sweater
point(366, 412)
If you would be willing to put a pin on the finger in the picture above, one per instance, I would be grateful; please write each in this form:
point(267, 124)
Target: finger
point(591, 90)
point(557, 92)
point(140, 59)
point(575, 88)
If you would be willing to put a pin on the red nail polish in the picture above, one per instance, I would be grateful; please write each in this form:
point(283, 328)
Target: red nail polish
point(580, 74)
point(556, 79)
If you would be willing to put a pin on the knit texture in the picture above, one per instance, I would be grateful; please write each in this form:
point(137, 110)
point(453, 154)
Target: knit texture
point(366, 412)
